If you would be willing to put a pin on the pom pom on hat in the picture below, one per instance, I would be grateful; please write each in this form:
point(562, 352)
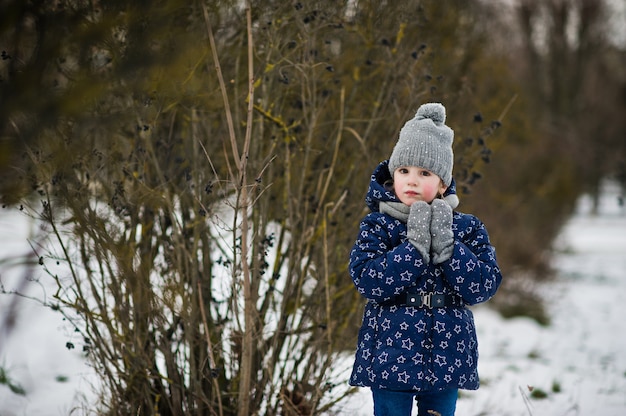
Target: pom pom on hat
point(434, 111)
point(425, 141)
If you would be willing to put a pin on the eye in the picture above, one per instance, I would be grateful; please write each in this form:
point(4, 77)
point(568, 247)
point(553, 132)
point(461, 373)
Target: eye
point(403, 171)
point(426, 173)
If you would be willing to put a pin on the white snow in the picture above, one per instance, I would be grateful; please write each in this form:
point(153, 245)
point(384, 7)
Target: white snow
point(579, 360)
point(33, 352)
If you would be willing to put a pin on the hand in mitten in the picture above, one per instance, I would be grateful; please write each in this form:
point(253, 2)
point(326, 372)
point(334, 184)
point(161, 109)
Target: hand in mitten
point(442, 238)
point(418, 228)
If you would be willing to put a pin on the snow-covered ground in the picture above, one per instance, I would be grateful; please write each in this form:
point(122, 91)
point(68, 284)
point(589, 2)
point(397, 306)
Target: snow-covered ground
point(578, 361)
point(50, 378)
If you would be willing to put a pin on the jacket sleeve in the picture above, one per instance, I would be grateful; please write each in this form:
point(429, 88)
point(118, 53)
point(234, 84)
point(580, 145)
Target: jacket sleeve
point(379, 269)
point(472, 270)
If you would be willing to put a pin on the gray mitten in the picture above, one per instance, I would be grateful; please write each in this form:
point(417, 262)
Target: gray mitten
point(418, 228)
point(442, 238)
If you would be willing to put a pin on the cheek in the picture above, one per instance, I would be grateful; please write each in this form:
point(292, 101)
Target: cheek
point(429, 189)
point(395, 187)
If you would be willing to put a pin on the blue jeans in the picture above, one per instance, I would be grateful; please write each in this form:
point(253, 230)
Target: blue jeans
point(400, 403)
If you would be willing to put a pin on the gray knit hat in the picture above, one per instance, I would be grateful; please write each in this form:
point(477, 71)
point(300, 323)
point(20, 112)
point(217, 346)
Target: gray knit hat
point(426, 141)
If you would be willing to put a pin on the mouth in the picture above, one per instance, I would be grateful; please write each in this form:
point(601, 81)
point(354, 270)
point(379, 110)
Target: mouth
point(411, 194)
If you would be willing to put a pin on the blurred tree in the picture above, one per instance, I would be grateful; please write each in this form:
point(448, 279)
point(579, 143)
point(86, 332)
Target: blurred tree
point(577, 79)
point(565, 135)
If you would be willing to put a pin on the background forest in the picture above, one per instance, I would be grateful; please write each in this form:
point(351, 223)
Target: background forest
point(199, 169)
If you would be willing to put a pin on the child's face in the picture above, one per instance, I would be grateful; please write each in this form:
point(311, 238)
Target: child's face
point(411, 183)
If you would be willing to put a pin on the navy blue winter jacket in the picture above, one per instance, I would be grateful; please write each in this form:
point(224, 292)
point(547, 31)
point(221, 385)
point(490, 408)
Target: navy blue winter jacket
point(417, 348)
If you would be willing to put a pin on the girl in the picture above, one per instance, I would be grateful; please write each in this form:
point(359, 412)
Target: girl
point(419, 265)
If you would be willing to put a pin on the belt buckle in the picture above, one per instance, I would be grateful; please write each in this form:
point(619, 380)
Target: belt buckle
point(427, 300)
point(438, 300)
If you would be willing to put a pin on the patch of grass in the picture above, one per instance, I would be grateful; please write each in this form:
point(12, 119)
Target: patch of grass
point(556, 387)
point(62, 379)
point(538, 394)
point(522, 304)
point(534, 355)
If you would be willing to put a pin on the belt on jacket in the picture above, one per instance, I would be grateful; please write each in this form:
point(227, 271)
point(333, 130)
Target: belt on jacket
point(426, 300)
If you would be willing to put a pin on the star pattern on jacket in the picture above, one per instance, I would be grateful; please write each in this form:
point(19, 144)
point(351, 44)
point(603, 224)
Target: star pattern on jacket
point(417, 348)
